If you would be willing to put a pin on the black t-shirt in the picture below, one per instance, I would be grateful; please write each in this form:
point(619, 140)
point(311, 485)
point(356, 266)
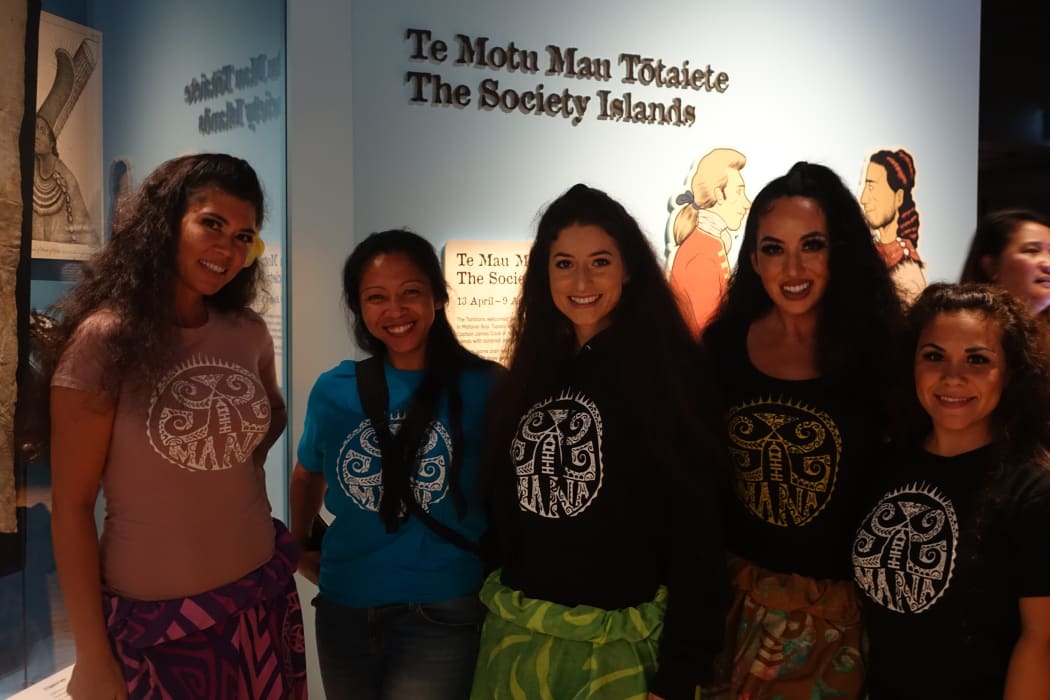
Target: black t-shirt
point(942, 557)
point(590, 519)
point(799, 452)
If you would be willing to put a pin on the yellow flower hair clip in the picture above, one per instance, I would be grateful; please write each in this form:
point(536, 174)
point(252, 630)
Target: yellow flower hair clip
point(255, 251)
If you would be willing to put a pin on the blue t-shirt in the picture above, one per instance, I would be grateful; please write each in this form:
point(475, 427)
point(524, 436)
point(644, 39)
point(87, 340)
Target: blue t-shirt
point(361, 564)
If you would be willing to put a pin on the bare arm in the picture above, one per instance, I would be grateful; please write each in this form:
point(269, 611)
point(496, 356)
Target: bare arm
point(81, 426)
point(278, 419)
point(1029, 675)
point(304, 497)
point(278, 412)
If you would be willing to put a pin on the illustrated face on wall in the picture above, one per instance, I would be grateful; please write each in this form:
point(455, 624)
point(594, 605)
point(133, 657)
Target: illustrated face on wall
point(879, 201)
point(398, 308)
point(587, 275)
point(959, 374)
point(1023, 268)
point(43, 143)
point(791, 255)
point(733, 203)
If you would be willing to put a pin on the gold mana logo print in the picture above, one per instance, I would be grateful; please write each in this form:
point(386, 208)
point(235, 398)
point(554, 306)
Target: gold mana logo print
point(787, 458)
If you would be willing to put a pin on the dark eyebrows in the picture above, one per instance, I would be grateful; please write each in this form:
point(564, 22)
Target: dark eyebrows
point(212, 214)
point(412, 280)
point(763, 237)
point(592, 254)
point(971, 349)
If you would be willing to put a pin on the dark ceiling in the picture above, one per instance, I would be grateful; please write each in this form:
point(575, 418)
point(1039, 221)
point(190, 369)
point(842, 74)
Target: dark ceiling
point(1014, 160)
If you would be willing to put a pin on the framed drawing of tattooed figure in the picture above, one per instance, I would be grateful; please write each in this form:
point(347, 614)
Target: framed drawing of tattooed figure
point(67, 148)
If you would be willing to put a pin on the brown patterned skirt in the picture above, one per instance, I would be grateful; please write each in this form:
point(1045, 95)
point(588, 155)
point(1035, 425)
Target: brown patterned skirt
point(789, 637)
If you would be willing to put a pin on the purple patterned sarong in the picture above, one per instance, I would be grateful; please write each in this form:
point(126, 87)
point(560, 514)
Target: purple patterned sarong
point(241, 641)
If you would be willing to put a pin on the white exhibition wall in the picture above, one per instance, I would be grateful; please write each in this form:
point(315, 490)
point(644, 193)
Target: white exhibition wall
point(815, 80)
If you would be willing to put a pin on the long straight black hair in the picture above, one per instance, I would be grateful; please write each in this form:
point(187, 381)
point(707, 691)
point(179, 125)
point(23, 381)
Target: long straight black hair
point(860, 313)
point(664, 379)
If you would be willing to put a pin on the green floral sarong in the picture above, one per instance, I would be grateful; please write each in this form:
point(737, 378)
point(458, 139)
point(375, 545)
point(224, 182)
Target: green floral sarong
point(538, 650)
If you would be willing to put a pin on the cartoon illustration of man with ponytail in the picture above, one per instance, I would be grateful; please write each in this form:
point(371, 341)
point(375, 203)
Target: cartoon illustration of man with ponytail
point(886, 197)
point(700, 236)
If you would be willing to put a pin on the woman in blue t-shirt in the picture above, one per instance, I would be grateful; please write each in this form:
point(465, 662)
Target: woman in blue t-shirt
point(391, 444)
point(952, 555)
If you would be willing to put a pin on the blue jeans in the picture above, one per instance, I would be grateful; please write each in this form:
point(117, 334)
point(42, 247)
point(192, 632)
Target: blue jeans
point(402, 651)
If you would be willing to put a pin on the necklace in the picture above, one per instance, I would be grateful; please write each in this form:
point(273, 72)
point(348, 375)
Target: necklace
point(51, 196)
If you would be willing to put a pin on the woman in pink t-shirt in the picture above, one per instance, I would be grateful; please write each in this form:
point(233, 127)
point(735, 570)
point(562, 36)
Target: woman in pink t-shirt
point(164, 392)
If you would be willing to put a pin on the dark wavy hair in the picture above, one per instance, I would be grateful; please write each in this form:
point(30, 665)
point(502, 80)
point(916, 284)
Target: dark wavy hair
point(860, 312)
point(134, 275)
point(445, 360)
point(668, 392)
point(993, 234)
point(1019, 421)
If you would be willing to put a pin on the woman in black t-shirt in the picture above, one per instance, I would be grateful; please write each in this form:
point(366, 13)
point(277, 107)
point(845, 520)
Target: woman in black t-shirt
point(953, 555)
point(613, 582)
point(800, 342)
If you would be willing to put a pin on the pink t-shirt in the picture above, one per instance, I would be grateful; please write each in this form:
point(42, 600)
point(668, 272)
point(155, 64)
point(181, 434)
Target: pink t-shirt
point(186, 510)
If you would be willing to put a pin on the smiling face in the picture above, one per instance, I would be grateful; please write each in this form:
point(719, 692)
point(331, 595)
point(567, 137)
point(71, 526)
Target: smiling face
point(398, 307)
point(587, 276)
point(791, 255)
point(1023, 268)
point(215, 233)
point(960, 370)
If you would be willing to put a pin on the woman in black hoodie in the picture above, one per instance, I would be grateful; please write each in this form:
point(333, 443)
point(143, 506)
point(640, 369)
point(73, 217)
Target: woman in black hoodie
point(613, 582)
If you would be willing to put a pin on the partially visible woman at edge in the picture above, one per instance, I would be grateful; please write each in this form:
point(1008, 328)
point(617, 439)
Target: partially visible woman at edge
point(953, 554)
point(801, 343)
point(1011, 249)
point(165, 393)
point(613, 583)
point(396, 439)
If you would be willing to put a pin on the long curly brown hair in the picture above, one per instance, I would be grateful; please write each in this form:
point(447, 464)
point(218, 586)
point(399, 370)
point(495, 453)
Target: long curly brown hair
point(133, 276)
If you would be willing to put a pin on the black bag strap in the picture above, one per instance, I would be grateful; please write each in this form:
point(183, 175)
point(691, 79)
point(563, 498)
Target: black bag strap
point(374, 395)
